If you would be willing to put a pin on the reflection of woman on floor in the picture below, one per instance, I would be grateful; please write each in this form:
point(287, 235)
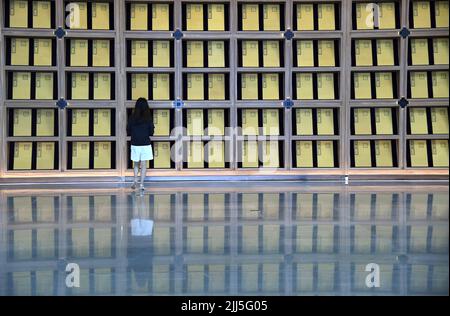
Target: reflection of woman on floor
point(140, 249)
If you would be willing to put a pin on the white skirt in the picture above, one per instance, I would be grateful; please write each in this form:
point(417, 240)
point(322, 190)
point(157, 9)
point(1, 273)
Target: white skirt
point(141, 153)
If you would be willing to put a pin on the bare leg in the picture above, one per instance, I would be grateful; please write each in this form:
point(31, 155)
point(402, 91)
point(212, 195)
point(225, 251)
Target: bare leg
point(136, 172)
point(143, 173)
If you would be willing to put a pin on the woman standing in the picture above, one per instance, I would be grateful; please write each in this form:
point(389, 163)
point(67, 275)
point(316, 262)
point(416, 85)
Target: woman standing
point(140, 127)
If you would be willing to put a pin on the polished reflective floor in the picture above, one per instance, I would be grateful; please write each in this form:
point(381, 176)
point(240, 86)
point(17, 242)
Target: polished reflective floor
point(248, 238)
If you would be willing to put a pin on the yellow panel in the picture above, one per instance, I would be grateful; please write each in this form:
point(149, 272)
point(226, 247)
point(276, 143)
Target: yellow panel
point(160, 17)
point(419, 206)
point(250, 54)
point(304, 154)
point(419, 51)
point(250, 239)
point(102, 155)
point(41, 14)
point(21, 283)
point(250, 205)
point(362, 82)
point(418, 120)
point(80, 122)
point(363, 206)
point(386, 18)
point(22, 209)
point(45, 243)
point(305, 53)
point(250, 17)
point(78, 15)
point(326, 53)
point(418, 239)
point(304, 241)
point(441, 14)
point(325, 154)
point(304, 206)
point(362, 121)
point(305, 17)
point(270, 277)
point(102, 86)
point(216, 17)
point(100, 16)
point(216, 278)
point(22, 246)
point(45, 283)
point(216, 206)
point(249, 86)
point(216, 239)
point(271, 203)
point(362, 153)
point(304, 121)
point(161, 279)
point(80, 155)
point(103, 208)
point(162, 241)
point(384, 85)
point(80, 86)
point(80, 242)
point(250, 154)
point(194, 238)
point(78, 52)
point(325, 238)
point(22, 155)
point(195, 87)
point(194, 17)
point(194, 52)
point(216, 154)
point(216, 86)
point(326, 17)
point(384, 206)
point(440, 84)
point(102, 122)
point(139, 54)
point(194, 122)
point(18, 13)
point(44, 86)
point(270, 86)
point(440, 152)
point(439, 120)
point(216, 54)
point(45, 155)
point(161, 119)
point(362, 239)
point(271, 124)
point(421, 14)
point(102, 242)
point(249, 279)
point(325, 86)
point(325, 122)
point(270, 154)
point(216, 123)
point(20, 51)
point(383, 121)
point(325, 206)
point(271, 56)
point(161, 54)
point(42, 52)
point(305, 277)
point(418, 150)
point(162, 202)
point(383, 153)
point(364, 16)
point(80, 208)
point(440, 51)
point(100, 53)
point(103, 281)
point(139, 86)
point(195, 154)
point(271, 21)
point(161, 86)
point(161, 152)
point(419, 84)
point(22, 122)
point(21, 85)
point(304, 86)
point(363, 52)
point(138, 12)
point(250, 122)
point(385, 52)
point(439, 239)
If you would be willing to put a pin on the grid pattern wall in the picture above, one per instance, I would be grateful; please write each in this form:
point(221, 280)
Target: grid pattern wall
point(334, 85)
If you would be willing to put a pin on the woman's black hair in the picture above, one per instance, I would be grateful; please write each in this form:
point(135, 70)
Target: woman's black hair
point(141, 112)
